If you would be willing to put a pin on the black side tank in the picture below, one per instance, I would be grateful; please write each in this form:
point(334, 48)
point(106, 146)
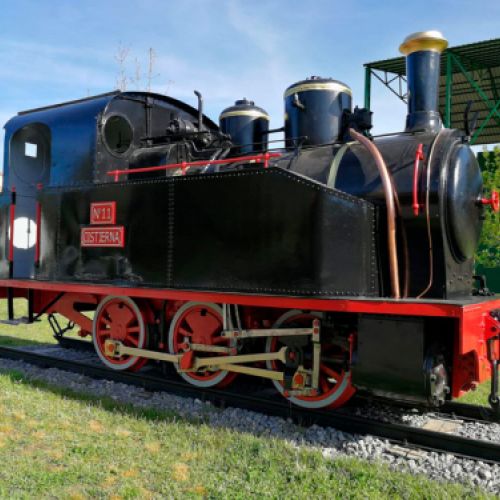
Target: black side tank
point(314, 109)
point(452, 173)
point(247, 125)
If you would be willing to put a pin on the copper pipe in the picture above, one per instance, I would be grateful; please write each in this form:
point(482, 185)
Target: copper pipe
point(404, 244)
point(428, 215)
point(391, 209)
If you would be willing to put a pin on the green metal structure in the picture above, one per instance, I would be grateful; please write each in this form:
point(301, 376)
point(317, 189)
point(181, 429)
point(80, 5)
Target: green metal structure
point(469, 73)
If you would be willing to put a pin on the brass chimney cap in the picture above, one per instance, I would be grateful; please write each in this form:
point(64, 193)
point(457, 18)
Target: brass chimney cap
point(424, 40)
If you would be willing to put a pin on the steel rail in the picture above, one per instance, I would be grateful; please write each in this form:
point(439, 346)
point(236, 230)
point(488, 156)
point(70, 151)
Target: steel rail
point(456, 409)
point(453, 409)
point(399, 433)
point(468, 411)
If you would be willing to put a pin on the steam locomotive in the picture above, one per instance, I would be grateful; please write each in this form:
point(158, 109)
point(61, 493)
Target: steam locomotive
point(339, 262)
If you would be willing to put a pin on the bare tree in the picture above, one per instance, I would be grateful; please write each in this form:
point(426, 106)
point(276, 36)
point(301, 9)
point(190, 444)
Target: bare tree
point(138, 74)
point(121, 57)
point(139, 79)
point(170, 83)
point(151, 74)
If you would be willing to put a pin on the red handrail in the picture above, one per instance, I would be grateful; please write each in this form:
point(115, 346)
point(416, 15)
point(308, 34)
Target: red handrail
point(38, 226)
point(419, 155)
point(12, 216)
point(260, 158)
point(493, 201)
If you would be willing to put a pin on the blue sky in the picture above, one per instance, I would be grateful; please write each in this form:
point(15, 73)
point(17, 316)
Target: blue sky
point(52, 51)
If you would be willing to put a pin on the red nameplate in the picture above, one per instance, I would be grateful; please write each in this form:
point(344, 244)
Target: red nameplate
point(103, 212)
point(103, 237)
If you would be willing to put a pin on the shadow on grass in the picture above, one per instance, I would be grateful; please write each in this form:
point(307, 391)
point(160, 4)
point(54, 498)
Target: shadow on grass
point(12, 341)
point(102, 402)
point(108, 404)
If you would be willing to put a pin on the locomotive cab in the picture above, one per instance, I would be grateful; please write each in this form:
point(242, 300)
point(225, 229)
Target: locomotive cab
point(30, 162)
point(75, 144)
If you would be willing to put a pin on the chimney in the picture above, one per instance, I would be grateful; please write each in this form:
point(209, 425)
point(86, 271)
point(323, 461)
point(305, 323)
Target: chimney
point(423, 55)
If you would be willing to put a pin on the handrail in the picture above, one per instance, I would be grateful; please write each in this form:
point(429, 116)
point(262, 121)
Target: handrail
point(12, 216)
point(260, 158)
point(38, 221)
point(493, 201)
point(419, 155)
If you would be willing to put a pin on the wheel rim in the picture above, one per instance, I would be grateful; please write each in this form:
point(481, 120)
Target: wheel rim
point(119, 318)
point(334, 385)
point(200, 323)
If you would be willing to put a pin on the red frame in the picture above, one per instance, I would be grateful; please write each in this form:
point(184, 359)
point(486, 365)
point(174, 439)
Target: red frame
point(470, 362)
point(408, 307)
point(101, 207)
point(431, 308)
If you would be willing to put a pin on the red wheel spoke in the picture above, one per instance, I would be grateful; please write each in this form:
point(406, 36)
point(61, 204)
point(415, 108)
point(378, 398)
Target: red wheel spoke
point(134, 342)
point(185, 332)
point(106, 321)
point(324, 385)
point(208, 324)
point(331, 373)
point(131, 321)
point(194, 321)
point(277, 365)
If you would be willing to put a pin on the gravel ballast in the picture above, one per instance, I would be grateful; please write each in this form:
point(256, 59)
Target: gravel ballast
point(331, 442)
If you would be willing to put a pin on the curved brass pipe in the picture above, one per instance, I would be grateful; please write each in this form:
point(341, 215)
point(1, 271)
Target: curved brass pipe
point(430, 160)
point(391, 209)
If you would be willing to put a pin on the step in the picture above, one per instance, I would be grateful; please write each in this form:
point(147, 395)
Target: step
point(16, 321)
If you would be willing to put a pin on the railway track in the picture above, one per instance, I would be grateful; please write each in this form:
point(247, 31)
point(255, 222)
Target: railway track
point(406, 435)
point(452, 409)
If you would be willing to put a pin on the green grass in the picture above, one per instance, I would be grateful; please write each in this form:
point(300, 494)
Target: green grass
point(55, 443)
point(478, 397)
point(63, 445)
point(21, 335)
